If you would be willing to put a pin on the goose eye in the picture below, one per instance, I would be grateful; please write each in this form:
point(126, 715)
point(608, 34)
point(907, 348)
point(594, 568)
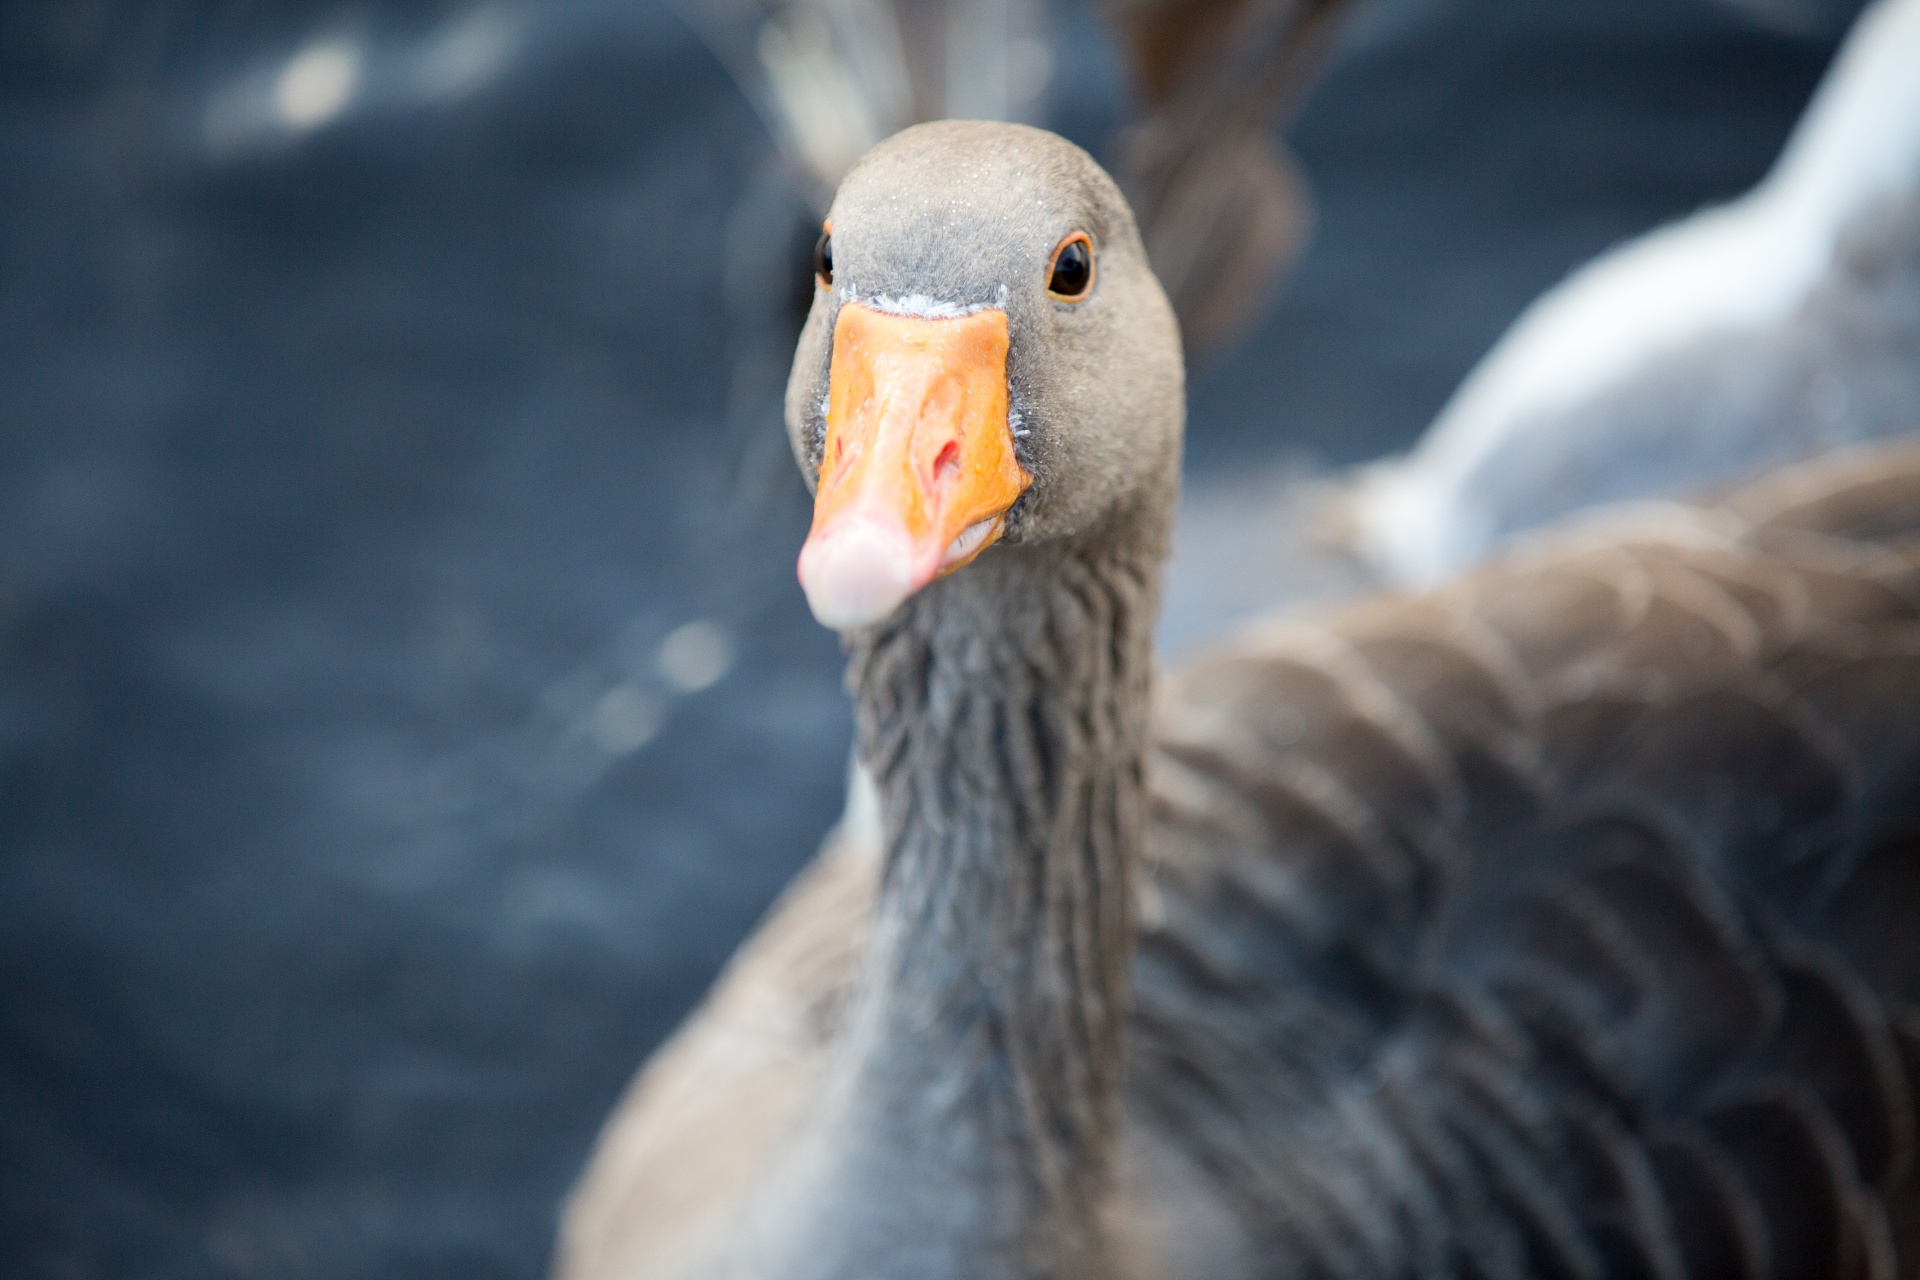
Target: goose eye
point(1071, 273)
point(823, 259)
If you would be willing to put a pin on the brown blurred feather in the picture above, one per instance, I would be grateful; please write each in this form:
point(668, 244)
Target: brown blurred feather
point(1222, 207)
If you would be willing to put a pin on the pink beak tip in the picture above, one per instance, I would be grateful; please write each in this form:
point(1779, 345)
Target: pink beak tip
point(857, 571)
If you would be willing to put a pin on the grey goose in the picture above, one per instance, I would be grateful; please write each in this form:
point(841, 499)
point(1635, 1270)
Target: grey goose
point(1563, 921)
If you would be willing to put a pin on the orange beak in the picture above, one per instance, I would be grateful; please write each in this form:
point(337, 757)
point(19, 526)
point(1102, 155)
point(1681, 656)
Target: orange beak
point(918, 469)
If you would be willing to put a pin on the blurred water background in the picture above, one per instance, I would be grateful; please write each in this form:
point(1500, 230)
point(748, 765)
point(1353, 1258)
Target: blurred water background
point(406, 703)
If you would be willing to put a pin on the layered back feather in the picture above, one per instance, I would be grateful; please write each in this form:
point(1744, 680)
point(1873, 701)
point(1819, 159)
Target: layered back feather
point(1565, 921)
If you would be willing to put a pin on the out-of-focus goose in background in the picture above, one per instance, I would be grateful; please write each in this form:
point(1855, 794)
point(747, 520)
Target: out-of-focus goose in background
point(1558, 922)
point(1773, 328)
point(1220, 203)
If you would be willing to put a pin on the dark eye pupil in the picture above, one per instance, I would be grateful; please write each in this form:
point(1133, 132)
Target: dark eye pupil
point(823, 258)
point(1072, 270)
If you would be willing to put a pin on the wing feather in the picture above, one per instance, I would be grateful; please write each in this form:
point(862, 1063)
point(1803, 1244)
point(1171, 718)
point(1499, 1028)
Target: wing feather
point(1623, 834)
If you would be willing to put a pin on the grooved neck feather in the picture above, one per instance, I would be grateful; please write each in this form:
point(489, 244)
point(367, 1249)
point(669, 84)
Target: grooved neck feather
point(1003, 715)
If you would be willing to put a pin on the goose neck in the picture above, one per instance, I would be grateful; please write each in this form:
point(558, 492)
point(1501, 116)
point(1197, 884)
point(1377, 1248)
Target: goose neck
point(1003, 718)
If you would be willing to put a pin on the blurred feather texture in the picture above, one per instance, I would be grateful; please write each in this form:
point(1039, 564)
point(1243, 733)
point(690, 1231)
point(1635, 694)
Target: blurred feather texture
point(1222, 206)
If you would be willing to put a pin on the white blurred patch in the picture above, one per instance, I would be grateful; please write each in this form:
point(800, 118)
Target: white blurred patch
point(625, 719)
point(274, 103)
point(467, 52)
point(860, 820)
point(695, 656)
point(317, 83)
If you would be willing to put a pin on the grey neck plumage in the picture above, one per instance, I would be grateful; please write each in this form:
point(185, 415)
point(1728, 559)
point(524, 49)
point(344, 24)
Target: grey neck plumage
point(1002, 715)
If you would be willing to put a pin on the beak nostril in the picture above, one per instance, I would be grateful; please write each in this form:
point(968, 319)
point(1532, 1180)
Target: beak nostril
point(947, 463)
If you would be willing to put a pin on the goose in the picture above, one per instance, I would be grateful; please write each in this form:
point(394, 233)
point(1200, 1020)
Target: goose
point(1558, 921)
point(1747, 336)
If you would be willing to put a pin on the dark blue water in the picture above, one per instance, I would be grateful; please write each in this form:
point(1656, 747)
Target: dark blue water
point(358, 836)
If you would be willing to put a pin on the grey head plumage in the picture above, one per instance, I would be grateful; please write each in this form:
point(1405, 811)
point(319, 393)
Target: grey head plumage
point(956, 215)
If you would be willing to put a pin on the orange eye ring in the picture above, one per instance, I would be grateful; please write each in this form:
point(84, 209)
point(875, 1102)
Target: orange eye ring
point(1070, 271)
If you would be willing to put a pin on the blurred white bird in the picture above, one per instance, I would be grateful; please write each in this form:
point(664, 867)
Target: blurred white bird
point(1773, 328)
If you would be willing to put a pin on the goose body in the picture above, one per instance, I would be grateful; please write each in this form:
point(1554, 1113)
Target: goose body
point(1561, 921)
point(1745, 337)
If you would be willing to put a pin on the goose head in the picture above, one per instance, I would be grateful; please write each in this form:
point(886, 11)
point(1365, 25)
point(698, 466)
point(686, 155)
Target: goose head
point(989, 363)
